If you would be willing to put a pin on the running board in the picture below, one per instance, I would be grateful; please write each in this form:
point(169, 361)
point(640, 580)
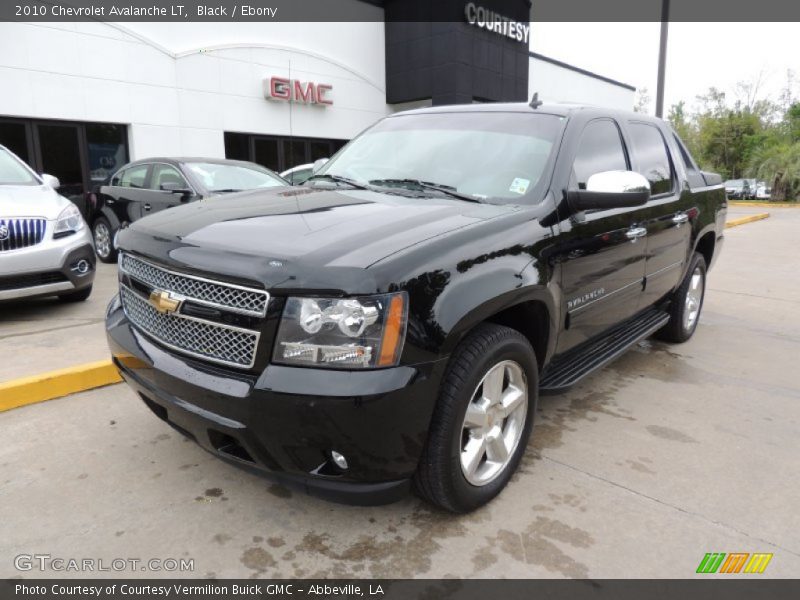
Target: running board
point(568, 369)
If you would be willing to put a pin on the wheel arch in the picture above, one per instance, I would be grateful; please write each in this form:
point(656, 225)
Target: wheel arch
point(705, 245)
point(532, 313)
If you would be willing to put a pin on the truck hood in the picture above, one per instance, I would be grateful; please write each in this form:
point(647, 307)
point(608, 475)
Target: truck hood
point(30, 201)
point(303, 230)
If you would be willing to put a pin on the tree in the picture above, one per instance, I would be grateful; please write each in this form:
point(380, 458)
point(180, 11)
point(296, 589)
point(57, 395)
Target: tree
point(642, 102)
point(780, 165)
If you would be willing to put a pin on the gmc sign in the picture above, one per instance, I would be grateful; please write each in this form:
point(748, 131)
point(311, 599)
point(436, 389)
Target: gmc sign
point(294, 90)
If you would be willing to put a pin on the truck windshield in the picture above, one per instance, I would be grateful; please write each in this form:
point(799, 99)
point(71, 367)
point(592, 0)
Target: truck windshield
point(485, 155)
point(13, 172)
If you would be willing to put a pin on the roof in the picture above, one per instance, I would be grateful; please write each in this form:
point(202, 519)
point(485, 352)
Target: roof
point(557, 109)
point(564, 65)
point(185, 159)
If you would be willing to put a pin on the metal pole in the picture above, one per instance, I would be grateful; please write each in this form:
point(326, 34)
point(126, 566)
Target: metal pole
point(662, 58)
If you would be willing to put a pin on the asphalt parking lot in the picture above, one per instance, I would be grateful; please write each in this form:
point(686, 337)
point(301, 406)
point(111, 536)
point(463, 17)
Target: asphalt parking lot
point(669, 453)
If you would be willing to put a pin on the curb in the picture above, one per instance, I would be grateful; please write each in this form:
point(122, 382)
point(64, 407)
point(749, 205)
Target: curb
point(747, 219)
point(55, 384)
point(765, 204)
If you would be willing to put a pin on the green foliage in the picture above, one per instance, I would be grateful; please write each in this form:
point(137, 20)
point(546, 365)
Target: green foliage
point(750, 138)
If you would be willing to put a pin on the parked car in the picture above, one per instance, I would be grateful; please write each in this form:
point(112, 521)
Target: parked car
point(299, 174)
point(735, 189)
point(151, 185)
point(763, 191)
point(393, 321)
point(45, 246)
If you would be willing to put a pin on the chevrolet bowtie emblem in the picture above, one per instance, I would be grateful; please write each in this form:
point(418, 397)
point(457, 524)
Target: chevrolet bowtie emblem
point(163, 301)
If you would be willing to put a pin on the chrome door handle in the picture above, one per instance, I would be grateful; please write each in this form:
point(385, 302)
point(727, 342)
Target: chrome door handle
point(680, 218)
point(147, 206)
point(634, 233)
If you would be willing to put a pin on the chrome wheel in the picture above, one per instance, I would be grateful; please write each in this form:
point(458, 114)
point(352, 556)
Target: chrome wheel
point(694, 299)
point(494, 423)
point(102, 240)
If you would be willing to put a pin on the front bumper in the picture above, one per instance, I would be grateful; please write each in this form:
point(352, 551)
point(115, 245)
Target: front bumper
point(47, 268)
point(287, 420)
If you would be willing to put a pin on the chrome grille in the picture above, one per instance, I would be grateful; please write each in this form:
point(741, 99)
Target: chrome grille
point(21, 233)
point(203, 339)
point(223, 295)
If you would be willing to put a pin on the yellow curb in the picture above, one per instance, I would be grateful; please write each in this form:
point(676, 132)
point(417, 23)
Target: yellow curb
point(747, 219)
point(46, 386)
point(775, 204)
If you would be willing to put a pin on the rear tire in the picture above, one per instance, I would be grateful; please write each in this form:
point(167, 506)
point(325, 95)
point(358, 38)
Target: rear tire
point(103, 237)
point(468, 460)
point(686, 303)
point(78, 296)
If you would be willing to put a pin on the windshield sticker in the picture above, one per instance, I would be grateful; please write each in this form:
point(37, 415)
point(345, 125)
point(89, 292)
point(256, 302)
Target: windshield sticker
point(519, 185)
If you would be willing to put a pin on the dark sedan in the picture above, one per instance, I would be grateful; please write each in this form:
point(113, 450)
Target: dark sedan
point(150, 185)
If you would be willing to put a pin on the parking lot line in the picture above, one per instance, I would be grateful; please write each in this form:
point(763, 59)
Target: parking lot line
point(775, 204)
point(747, 219)
point(55, 384)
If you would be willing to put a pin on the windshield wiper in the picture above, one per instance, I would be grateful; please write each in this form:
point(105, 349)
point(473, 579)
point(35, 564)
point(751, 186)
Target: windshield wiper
point(225, 191)
point(428, 185)
point(340, 179)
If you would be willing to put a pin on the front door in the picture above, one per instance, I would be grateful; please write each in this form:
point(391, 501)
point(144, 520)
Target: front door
point(602, 254)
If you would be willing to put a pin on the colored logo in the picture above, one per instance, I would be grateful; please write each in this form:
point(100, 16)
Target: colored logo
point(163, 301)
point(735, 562)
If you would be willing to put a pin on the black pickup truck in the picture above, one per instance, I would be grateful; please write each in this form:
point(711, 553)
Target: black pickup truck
point(393, 321)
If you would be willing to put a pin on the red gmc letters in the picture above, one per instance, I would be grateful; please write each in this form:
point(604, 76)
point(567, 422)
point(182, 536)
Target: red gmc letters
point(294, 90)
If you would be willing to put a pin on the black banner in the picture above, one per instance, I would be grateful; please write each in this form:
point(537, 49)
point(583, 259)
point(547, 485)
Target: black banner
point(422, 589)
point(412, 10)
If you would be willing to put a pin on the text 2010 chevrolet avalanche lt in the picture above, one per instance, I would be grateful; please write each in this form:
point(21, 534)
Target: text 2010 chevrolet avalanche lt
point(393, 321)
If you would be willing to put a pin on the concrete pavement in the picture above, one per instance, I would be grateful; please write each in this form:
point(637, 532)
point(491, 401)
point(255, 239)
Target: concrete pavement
point(669, 453)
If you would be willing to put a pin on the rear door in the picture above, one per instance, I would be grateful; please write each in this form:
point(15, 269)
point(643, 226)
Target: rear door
point(602, 252)
point(126, 193)
point(668, 211)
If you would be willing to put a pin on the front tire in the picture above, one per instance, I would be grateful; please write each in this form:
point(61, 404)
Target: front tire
point(482, 421)
point(686, 303)
point(103, 236)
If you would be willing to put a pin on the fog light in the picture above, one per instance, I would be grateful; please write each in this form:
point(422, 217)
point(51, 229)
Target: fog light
point(340, 460)
point(81, 267)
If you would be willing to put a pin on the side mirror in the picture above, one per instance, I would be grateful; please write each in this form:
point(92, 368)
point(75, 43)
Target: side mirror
point(611, 189)
point(176, 188)
point(51, 181)
point(318, 164)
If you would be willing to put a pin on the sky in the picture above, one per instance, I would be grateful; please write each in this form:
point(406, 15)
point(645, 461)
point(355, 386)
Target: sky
point(700, 55)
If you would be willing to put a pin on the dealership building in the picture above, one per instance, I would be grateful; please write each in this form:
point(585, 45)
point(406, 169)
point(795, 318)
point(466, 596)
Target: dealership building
point(82, 98)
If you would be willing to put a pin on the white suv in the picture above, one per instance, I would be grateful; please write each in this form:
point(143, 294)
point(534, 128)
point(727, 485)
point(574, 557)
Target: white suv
point(45, 245)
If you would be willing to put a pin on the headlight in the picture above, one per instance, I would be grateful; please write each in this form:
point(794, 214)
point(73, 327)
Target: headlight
point(69, 221)
point(343, 333)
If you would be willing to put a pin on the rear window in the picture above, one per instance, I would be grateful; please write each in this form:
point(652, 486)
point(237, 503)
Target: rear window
point(134, 177)
point(652, 159)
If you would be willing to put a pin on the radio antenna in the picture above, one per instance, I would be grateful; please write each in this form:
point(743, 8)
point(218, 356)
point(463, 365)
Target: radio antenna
point(535, 102)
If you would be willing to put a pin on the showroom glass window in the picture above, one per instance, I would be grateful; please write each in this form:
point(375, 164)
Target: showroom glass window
point(652, 159)
point(107, 149)
point(600, 149)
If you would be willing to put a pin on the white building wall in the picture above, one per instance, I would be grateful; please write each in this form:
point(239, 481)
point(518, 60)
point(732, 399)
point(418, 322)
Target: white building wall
point(560, 84)
point(180, 88)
